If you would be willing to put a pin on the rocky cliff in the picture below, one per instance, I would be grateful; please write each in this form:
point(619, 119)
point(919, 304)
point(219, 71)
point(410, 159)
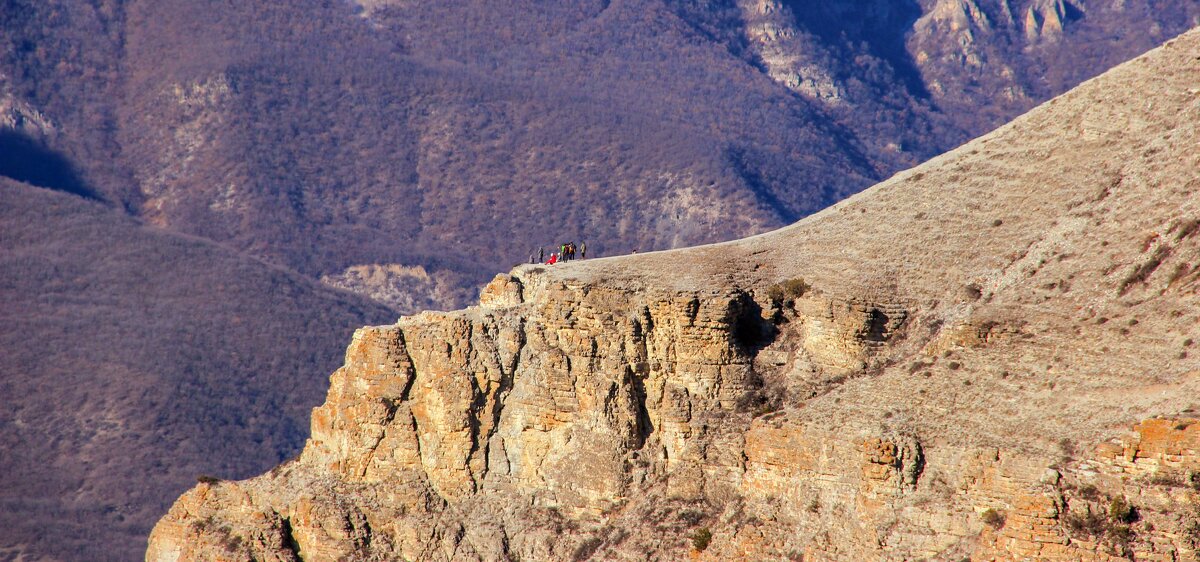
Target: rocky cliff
point(991, 356)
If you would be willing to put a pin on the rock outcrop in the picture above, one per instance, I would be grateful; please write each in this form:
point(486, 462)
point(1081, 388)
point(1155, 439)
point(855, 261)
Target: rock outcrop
point(786, 55)
point(988, 357)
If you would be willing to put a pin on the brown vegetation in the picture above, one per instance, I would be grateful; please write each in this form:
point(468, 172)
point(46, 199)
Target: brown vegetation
point(135, 359)
point(456, 137)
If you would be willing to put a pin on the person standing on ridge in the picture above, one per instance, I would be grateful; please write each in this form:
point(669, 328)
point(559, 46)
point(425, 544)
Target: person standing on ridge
point(541, 255)
point(583, 250)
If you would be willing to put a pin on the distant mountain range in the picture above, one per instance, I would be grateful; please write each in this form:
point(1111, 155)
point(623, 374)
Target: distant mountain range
point(326, 136)
point(406, 151)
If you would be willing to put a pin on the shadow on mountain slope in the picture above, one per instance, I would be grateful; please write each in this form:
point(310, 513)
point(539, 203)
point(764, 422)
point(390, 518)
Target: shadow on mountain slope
point(27, 160)
point(880, 27)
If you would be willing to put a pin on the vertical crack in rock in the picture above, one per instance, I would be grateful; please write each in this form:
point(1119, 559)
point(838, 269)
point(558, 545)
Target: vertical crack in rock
point(691, 309)
point(751, 331)
point(402, 345)
point(289, 540)
point(358, 528)
point(481, 402)
point(636, 370)
point(390, 405)
point(643, 424)
point(508, 372)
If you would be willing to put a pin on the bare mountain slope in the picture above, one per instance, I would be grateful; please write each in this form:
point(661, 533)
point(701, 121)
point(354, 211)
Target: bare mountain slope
point(991, 356)
point(1078, 221)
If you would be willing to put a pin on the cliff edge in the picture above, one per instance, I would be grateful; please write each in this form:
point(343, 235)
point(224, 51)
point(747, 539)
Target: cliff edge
point(991, 356)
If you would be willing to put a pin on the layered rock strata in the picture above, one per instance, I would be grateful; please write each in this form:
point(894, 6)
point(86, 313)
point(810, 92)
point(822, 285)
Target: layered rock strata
point(991, 357)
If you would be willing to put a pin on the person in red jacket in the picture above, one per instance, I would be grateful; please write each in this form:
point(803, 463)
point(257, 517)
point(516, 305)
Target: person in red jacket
point(553, 259)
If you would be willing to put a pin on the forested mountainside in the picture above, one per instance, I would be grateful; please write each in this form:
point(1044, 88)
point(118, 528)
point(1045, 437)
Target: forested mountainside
point(325, 135)
point(135, 359)
point(407, 151)
point(989, 357)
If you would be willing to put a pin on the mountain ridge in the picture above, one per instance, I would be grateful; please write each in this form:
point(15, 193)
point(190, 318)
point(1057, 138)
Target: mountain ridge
point(410, 151)
point(986, 357)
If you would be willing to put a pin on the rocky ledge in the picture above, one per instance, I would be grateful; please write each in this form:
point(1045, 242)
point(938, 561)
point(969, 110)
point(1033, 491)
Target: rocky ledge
point(988, 357)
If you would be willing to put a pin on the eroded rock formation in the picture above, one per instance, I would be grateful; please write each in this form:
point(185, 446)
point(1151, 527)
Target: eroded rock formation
point(989, 357)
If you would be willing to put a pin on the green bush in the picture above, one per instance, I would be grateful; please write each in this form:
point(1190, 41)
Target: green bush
point(1120, 511)
point(764, 409)
point(1089, 492)
point(1190, 526)
point(1113, 527)
point(701, 538)
point(992, 518)
point(586, 549)
point(1168, 479)
point(787, 291)
point(1087, 524)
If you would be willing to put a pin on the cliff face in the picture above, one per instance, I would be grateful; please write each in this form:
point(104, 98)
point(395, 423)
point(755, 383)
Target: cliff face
point(989, 357)
point(407, 153)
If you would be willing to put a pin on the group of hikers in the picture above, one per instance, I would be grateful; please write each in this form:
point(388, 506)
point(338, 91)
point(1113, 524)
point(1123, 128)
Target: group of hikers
point(565, 252)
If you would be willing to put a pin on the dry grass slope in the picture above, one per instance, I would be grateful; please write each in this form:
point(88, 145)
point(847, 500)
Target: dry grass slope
point(991, 356)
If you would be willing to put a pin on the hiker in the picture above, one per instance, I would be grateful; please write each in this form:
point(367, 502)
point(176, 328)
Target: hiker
point(541, 255)
point(562, 251)
point(583, 250)
point(553, 259)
